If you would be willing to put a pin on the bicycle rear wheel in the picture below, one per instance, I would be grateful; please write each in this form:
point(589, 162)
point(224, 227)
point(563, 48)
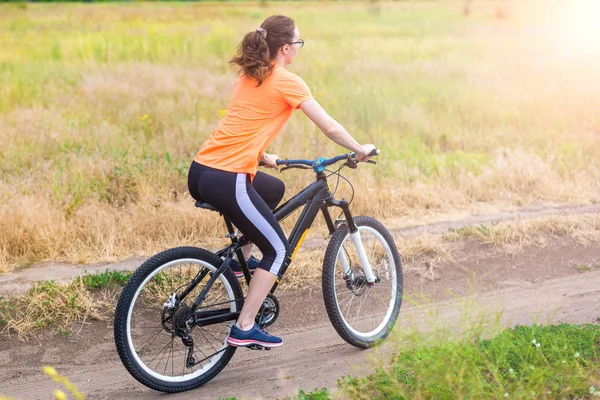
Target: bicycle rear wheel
point(150, 324)
point(362, 314)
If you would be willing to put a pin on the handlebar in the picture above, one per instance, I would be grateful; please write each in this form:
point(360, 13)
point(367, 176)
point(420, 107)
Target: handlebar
point(320, 164)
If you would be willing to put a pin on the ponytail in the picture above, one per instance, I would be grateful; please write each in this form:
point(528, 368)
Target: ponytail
point(259, 48)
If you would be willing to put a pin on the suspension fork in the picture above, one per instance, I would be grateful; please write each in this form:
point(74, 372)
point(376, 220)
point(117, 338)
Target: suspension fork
point(331, 226)
point(356, 239)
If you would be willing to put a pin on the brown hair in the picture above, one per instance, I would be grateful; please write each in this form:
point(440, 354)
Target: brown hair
point(259, 48)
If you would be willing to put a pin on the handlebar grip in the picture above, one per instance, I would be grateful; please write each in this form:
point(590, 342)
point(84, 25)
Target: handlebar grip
point(374, 152)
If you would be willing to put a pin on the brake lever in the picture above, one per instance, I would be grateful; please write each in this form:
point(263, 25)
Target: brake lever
point(351, 163)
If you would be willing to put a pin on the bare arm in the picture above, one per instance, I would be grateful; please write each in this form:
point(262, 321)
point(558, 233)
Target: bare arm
point(333, 130)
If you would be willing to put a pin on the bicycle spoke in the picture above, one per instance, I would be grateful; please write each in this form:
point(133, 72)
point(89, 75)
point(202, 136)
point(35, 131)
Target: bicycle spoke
point(349, 304)
point(366, 295)
point(346, 292)
point(351, 296)
point(373, 313)
point(212, 355)
point(213, 347)
point(154, 330)
point(153, 327)
point(168, 356)
point(195, 358)
point(153, 292)
point(161, 352)
point(154, 338)
point(210, 333)
point(184, 364)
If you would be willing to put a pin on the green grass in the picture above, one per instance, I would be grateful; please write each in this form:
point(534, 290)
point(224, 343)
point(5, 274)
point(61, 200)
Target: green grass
point(582, 267)
point(317, 394)
point(508, 365)
point(107, 279)
point(564, 365)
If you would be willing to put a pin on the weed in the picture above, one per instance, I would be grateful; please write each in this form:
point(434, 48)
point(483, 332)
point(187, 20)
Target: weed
point(582, 267)
point(317, 394)
point(105, 279)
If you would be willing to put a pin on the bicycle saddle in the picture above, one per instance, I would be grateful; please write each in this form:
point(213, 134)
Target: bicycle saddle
point(206, 206)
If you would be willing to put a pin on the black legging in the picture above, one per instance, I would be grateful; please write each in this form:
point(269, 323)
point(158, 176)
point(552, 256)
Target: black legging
point(249, 206)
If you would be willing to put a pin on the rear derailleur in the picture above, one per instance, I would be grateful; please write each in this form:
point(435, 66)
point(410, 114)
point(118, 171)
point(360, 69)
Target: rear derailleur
point(176, 320)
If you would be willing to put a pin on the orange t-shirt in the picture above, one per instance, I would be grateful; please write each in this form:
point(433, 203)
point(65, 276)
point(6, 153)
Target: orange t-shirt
point(254, 117)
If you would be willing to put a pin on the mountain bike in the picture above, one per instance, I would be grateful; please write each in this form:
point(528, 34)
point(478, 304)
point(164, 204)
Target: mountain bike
point(174, 314)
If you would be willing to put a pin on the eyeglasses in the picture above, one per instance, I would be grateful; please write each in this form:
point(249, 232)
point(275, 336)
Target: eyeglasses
point(300, 43)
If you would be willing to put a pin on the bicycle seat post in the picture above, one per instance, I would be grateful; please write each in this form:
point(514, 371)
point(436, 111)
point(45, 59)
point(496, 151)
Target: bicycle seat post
point(232, 234)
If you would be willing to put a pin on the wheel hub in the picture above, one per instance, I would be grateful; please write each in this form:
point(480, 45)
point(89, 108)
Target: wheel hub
point(180, 318)
point(356, 281)
point(174, 321)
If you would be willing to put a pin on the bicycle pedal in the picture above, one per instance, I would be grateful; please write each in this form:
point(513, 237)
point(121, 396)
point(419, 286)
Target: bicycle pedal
point(257, 347)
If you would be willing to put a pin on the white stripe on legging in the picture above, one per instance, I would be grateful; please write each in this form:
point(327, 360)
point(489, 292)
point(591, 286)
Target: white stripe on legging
point(256, 218)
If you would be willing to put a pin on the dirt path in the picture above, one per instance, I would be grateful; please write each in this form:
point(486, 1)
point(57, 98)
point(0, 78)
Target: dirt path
point(538, 283)
point(21, 280)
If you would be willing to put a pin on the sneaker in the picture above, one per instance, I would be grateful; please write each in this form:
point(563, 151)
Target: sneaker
point(236, 267)
point(254, 336)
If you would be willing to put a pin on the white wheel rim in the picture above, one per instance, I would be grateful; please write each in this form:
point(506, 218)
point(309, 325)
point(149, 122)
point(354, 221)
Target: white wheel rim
point(394, 282)
point(213, 360)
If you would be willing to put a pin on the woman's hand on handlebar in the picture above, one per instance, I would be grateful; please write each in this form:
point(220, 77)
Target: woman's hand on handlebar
point(367, 149)
point(269, 160)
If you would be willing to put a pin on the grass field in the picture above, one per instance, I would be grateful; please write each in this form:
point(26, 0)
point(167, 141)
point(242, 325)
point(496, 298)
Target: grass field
point(103, 106)
point(524, 362)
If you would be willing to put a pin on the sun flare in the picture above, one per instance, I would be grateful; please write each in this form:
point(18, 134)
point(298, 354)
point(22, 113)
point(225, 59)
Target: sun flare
point(581, 29)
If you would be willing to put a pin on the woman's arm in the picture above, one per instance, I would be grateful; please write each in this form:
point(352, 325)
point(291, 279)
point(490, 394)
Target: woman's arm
point(333, 130)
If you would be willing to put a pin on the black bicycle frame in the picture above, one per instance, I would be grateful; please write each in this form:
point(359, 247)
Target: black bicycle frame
point(315, 197)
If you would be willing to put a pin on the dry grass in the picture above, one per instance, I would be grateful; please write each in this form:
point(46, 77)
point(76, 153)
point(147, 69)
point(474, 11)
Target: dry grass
point(425, 246)
point(103, 107)
point(33, 230)
point(51, 304)
point(513, 236)
point(59, 305)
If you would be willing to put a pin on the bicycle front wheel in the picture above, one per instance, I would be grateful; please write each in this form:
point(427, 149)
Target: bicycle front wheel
point(362, 313)
point(155, 334)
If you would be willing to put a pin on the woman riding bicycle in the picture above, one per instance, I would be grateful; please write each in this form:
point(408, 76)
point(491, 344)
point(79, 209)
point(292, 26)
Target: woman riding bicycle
point(224, 172)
